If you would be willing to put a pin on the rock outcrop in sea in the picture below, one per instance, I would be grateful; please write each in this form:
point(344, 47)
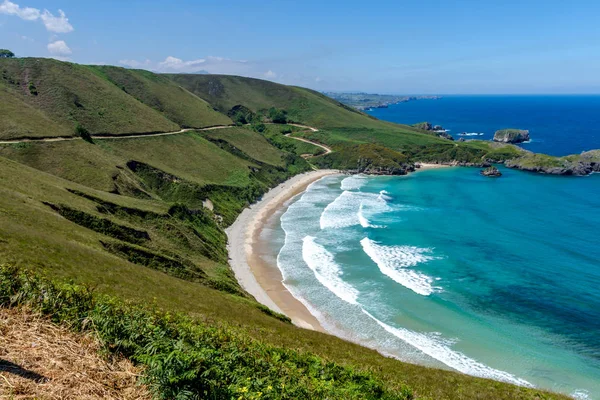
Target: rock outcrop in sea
point(491, 172)
point(512, 136)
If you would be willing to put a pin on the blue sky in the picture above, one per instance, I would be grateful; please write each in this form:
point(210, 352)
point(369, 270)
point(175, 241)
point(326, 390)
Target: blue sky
point(404, 47)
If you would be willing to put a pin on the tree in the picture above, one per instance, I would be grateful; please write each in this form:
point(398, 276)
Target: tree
point(6, 53)
point(277, 115)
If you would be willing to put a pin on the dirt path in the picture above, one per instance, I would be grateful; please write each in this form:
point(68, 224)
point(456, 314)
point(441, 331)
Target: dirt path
point(144, 135)
point(327, 149)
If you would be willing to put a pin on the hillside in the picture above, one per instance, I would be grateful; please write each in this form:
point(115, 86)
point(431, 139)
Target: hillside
point(142, 219)
point(60, 96)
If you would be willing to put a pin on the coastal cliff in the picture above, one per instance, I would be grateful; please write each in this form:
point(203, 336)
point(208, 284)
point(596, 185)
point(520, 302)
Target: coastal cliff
point(511, 136)
point(578, 165)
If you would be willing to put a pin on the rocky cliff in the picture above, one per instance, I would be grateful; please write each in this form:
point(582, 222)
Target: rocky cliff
point(512, 136)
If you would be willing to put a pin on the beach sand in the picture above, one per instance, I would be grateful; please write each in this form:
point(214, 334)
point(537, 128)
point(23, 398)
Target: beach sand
point(258, 277)
point(262, 278)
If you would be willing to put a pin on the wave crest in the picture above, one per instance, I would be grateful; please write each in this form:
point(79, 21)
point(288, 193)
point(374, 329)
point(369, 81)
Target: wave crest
point(394, 262)
point(326, 270)
point(439, 349)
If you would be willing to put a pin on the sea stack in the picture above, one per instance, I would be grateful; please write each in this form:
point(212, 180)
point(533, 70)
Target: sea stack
point(511, 136)
point(491, 172)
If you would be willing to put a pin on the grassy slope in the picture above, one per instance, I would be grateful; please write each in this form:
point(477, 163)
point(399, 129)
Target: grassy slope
point(339, 125)
point(20, 119)
point(180, 167)
point(70, 94)
point(163, 95)
point(33, 236)
point(250, 142)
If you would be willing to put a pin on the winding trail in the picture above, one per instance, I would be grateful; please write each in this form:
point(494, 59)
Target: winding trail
point(146, 135)
point(327, 149)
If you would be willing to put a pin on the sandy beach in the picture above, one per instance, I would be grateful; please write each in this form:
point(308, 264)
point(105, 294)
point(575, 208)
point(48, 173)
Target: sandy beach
point(258, 276)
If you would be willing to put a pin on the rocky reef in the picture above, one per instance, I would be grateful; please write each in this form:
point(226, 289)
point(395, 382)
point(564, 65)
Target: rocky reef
point(512, 136)
point(491, 172)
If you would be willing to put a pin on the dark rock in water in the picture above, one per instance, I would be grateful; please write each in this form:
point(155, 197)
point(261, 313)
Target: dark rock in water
point(512, 136)
point(491, 172)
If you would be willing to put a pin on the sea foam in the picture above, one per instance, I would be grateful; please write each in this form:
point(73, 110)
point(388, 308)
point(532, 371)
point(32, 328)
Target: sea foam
point(438, 348)
point(353, 182)
point(353, 208)
point(326, 270)
point(395, 261)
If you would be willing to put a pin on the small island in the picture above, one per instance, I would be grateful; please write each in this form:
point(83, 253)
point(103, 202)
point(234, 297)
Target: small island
point(512, 136)
point(491, 172)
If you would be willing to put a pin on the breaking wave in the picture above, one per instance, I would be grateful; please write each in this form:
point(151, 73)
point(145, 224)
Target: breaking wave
point(395, 261)
point(327, 272)
point(438, 348)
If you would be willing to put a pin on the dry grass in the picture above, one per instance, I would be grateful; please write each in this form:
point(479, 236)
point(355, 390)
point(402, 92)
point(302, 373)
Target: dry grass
point(41, 360)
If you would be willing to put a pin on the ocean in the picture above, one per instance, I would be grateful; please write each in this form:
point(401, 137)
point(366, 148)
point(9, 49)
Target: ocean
point(496, 278)
point(559, 125)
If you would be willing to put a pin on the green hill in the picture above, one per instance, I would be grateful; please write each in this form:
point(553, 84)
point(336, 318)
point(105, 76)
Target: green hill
point(161, 94)
point(58, 96)
point(143, 219)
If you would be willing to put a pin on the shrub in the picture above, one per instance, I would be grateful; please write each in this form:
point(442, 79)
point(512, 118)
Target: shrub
point(259, 127)
point(33, 89)
point(186, 359)
point(278, 116)
point(82, 132)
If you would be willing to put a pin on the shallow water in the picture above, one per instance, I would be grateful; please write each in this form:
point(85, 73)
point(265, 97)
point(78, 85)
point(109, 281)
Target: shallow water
point(497, 278)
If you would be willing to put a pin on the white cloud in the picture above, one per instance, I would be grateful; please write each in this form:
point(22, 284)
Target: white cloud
point(59, 48)
point(270, 74)
point(210, 64)
point(135, 64)
point(178, 65)
point(26, 13)
point(57, 24)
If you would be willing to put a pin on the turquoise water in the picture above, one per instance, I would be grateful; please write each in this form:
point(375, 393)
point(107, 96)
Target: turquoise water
point(496, 278)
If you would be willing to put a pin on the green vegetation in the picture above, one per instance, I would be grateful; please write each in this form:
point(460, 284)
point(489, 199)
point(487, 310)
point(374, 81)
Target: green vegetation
point(164, 96)
point(142, 219)
point(369, 158)
point(511, 135)
point(275, 134)
point(184, 359)
point(278, 116)
point(4, 53)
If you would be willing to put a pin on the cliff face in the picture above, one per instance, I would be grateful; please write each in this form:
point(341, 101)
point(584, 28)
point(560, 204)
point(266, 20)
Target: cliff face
point(512, 136)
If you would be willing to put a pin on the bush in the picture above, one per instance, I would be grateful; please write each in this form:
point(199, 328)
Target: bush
point(259, 127)
point(278, 116)
point(32, 89)
point(83, 133)
point(186, 359)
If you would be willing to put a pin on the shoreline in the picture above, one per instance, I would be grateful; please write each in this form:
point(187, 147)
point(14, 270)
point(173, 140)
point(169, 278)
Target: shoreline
point(257, 276)
point(262, 278)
